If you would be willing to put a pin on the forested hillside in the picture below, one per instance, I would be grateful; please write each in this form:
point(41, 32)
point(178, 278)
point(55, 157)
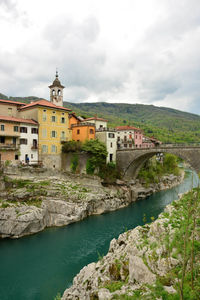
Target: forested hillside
point(167, 124)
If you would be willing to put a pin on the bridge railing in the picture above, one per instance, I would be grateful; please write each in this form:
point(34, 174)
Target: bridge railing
point(163, 146)
point(179, 145)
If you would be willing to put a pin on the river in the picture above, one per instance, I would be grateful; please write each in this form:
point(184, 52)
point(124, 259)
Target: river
point(39, 266)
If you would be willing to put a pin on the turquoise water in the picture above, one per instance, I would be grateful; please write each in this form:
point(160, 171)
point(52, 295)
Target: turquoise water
point(37, 267)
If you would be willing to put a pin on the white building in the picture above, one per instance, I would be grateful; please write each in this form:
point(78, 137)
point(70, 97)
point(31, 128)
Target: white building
point(28, 141)
point(109, 137)
point(129, 137)
point(99, 122)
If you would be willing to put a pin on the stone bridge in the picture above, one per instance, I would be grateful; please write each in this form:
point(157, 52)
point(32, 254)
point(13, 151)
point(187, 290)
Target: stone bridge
point(129, 162)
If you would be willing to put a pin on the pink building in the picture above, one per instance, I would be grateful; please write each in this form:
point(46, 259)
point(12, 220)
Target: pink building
point(129, 137)
point(150, 142)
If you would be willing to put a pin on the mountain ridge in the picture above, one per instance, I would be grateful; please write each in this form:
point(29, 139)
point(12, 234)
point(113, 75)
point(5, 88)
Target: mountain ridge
point(167, 124)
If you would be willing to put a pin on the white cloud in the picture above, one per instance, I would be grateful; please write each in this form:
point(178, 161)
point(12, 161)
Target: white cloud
point(118, 51)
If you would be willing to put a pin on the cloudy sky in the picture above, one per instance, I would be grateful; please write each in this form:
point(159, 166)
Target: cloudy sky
point(131, 51)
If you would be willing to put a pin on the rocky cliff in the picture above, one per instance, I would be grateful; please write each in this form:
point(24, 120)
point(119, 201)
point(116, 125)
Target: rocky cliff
point(160, 260)
point(29, 205)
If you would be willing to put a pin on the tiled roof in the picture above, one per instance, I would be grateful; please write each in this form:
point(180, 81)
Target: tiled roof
point(18, 120)
point(11, 102)
point(44, 103)
point(95, 118)
point(127, 128)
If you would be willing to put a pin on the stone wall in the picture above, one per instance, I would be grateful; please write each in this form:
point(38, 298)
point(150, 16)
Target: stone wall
point(66, 160)
point(51, 161)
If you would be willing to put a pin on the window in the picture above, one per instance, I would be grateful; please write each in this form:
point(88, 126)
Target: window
point(44, 132)
point(16, 128)
point(9, 111)
point(130, 136)
point(111, 135)
point(111, 145)
point(16, 156)
point(23, 141)
point(53, 118)
point(2, 127)
point(101, 126)
point(23, 129)
point(91, 131)
point(35, 146)
point(2, 139)
point(34, 130)
point(54, 112)
point(125, 145)
point(53, 134)
point(44, 116)
point(62, 134)
point(44, 148)
point(118, 138)
point(53, 149)
point(111, 157)
point(125, 138)
point(31, 156)
point(62, 120)
point(63, 114)
point(78, 131)
point(130, 145)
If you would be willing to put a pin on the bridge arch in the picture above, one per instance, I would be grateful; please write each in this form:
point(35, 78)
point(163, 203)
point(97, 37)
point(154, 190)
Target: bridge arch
point(129, 162)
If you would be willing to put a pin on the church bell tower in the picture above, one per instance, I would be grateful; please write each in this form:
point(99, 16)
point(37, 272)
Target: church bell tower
point(56, 92)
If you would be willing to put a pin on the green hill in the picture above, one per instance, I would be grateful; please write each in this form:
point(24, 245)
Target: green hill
point(167, 124)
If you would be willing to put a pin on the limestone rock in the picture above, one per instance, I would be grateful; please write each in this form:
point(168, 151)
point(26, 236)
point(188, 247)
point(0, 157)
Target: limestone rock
point(139, 272)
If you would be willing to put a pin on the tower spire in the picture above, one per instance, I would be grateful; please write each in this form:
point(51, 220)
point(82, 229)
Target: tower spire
point(56, 91)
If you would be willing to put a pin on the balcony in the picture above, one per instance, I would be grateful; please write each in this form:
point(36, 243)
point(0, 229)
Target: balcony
point(9, 146)
point(9, 134)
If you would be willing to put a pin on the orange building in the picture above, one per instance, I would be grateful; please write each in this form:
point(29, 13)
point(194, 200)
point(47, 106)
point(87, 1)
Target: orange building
point(83, 131)
point(73, 119)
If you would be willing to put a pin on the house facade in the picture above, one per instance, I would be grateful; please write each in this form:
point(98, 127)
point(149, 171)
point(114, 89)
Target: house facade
point(53, 129)
point(28, 141)
point(83, 131)
point(18, 140)
point(10, 108)
point(129, 137)
point(9, 140)
point(109, 138)
point(98, 122)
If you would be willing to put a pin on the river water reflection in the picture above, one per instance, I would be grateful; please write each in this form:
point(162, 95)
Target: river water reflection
point(37, 267)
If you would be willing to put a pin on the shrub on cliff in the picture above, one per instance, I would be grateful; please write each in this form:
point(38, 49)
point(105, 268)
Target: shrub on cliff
point(153, 170)
point(71, 146)
point(98, 153)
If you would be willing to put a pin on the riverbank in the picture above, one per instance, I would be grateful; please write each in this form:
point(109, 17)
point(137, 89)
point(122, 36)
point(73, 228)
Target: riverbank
point(29, 206)
point(160, 260)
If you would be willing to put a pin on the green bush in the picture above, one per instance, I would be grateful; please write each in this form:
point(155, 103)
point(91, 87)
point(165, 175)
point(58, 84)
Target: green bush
point(90, 167)
point(71, 146)
point(74, 163)
point(153, 170)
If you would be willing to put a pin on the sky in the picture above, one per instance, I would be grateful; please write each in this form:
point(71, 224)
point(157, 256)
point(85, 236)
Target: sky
point(118, 51)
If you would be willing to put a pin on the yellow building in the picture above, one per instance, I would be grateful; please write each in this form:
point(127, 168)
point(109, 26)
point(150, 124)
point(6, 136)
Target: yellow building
point(53, 129)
